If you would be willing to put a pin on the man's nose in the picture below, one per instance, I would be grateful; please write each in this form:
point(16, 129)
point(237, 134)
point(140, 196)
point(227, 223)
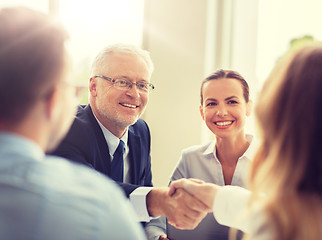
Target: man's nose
point(133, 90)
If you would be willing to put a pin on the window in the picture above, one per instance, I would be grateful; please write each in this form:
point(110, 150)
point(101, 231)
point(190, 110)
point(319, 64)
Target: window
point(280, 22)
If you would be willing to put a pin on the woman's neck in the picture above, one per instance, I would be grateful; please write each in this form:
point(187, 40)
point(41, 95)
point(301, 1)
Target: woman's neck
point(230, 149)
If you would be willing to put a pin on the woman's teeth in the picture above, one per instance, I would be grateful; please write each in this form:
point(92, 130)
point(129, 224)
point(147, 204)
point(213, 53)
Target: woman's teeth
point(223, 123)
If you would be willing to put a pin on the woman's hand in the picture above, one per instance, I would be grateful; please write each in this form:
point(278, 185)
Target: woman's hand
point(205, 192)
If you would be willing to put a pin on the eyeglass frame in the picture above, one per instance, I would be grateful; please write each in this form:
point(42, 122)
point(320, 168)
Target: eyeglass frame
point(150, 86)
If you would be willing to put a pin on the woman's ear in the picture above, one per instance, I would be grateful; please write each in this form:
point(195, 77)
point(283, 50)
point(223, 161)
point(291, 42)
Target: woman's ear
point(249, 108)
point(92, 86)
point(201, 112)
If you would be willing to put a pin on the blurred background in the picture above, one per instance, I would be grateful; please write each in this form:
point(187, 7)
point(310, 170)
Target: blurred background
point(188, 40)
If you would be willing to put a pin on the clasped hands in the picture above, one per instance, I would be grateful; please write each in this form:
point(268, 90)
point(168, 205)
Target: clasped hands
point(185, 203)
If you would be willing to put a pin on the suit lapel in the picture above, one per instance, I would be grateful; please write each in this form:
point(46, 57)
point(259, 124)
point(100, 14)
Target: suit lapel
point(100, 140)
point(135, 156)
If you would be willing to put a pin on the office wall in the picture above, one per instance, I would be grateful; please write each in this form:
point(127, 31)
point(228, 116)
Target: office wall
point(175, 35)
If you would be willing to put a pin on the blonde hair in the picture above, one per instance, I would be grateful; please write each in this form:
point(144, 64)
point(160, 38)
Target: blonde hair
point(288, 165)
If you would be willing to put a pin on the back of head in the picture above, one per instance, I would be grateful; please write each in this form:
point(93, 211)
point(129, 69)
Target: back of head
point(31, 60)
point(288, 166)
point(289, 109)
point(100, 60)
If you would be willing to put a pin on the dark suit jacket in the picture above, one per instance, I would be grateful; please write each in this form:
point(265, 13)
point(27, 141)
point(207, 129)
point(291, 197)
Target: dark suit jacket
point(85, 143)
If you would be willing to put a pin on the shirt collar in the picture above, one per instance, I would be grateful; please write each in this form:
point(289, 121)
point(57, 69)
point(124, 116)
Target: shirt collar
point(111, 140)
point(253, 146)
point(249, 154)
point(211, 149)
point(10, 141)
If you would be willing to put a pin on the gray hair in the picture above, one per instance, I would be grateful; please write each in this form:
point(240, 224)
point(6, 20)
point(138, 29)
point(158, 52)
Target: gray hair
point(100, 59)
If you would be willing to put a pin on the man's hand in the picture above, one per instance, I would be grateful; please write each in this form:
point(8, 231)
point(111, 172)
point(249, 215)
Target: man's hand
point(182, 209)
point(205, 192)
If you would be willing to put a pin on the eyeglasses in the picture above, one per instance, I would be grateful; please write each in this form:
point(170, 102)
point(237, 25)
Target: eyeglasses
point(125, 84)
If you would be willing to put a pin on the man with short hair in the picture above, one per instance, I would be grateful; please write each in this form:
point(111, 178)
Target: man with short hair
point(44, 197)
point(119, 89)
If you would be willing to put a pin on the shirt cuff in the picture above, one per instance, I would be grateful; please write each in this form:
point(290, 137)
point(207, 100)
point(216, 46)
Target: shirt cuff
point(230, 207)
point(138, 200)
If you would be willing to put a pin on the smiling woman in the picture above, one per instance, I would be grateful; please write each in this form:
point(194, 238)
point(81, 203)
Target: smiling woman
point(224, 106)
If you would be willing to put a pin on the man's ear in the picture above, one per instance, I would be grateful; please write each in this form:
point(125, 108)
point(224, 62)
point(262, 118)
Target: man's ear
point(92, 86)
point(249, 107)
point(51, 105)
point(201, 112)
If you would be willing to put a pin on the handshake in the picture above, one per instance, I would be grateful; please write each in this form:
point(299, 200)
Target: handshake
point(185, 203)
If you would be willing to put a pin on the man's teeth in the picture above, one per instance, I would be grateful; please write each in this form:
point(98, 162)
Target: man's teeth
point(223, 123)
point(129, 105)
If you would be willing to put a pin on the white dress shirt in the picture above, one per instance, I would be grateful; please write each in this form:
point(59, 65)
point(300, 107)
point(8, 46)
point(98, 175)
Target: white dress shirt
point(231, 209)
point(138, 196)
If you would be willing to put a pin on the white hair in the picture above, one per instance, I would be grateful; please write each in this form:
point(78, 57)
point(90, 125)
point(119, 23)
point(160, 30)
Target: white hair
point(100, 59)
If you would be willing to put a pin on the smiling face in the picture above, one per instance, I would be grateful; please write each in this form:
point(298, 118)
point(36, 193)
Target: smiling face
point(224, 108)
point(117, 109)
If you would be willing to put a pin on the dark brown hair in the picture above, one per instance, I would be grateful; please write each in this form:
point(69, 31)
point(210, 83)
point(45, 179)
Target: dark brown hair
point(31, 59)
point(220, 74)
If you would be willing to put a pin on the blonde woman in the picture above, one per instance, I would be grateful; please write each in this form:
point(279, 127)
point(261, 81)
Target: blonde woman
point(286, 175)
